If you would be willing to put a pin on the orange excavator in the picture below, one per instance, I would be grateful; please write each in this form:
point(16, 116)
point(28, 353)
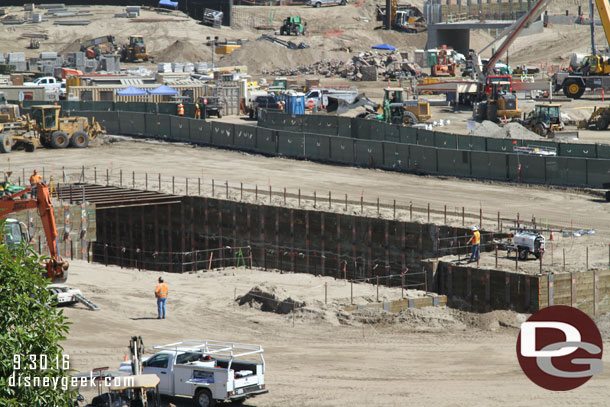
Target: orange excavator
point(57, 268)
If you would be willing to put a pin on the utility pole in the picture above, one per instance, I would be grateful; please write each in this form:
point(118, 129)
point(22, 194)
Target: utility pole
point(592, 27)
point(388, 14)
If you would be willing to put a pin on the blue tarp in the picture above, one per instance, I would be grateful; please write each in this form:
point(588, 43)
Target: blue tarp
point(386, 47)
point(164, 90)
point(131, 91)
point(168, 3)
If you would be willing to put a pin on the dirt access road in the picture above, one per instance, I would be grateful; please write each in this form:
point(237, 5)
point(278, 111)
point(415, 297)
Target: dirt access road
point(365, 360)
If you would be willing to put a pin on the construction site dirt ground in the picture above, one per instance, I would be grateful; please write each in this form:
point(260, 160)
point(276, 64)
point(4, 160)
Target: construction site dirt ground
point(556, 208)
point(432, 356)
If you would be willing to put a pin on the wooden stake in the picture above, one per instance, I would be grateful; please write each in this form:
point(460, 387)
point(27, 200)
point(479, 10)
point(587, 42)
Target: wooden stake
point(351, 297)
point(199, 186)
point(496, 247)
point(159, 182)
point(326, 293)
point(329, 200)
point(377, 288)
point(173, 184)
point(361, 204)
point(411, 211)
point(133, 179)
point(564, 259)
point(270, 194)
point(187, 186)
point(428, 212)
point(445, 214)
point(315, 199)
point(241, 191)
point(463, 217)
point(284, 196)
point(211, 257)
point(394, 210)
point(146, 181)
point(299, 197)
point(227, 189)
point(377, 206)
point(346, 208)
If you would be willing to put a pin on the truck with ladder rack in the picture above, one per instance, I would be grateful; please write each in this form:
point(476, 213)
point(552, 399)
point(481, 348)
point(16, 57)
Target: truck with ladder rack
point(208, 371)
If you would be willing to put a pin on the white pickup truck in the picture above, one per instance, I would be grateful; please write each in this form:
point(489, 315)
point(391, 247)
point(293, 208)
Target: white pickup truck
point(206, 370)
point(48, 82)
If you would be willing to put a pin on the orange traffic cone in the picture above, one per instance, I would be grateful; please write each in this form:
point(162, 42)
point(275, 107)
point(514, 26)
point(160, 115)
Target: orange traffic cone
point(551, 237)
point(124, 358)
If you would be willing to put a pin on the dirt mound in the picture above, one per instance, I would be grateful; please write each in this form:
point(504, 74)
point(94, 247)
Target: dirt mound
point(269, 298)
point(184, 51)
point(510, 130)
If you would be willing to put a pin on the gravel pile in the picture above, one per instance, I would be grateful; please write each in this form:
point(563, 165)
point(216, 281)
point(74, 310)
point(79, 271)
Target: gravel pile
point(511, 131)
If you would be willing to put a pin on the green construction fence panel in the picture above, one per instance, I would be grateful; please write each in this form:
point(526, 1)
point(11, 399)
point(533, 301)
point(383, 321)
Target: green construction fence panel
point(566, 171)
point(425, 137)
point(598, 172)
point(317, 146)
point(603, 151)
point(423, 158)
point(108, 120)
point(471, 143)
point(289, 122)
point(489, 165)
point(180, 129)
point(131, 107)
point(223, 134)
point(378, 130)
point(577, 150)
point(408, 135)
point(344, 127)
point(104, 106)
point(245, 137)
point(527, 168)
point(342, 150)
point(361, 129)
point(266, 141)
point(65, 105)
point(273, 120)
point(541, 144)
point(291, 144)
point(395, 156)
point(151, 125)
point(87, 106)
point(445, 140)
point(200, 131)
point(189, 110)
point(132, 123)
point(164, 129)
point(368, 153)
point(322, 124)
point(151, 107)
point(168, 108)
point(500, 145)
point(392, 133)
point(453, 162)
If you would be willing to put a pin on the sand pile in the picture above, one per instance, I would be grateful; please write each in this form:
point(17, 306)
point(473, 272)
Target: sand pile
point(269, 298)
point(184, 51)
point(511, 130)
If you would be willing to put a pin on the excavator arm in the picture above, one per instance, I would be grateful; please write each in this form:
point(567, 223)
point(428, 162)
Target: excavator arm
point(57, 268)
point(340, 106)
point(603, 10)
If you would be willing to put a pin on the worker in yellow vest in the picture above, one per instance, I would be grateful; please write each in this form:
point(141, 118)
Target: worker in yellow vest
point(180, 109)
point(161, 292)
point(197, 111)
point(476, 244)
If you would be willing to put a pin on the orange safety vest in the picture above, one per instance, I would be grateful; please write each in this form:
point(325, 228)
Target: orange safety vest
point(161, 290)
point(477, 237)
point(35, 179)
point(180, 110)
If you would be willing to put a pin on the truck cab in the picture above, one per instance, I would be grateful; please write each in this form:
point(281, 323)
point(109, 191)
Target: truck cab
point(207, 371)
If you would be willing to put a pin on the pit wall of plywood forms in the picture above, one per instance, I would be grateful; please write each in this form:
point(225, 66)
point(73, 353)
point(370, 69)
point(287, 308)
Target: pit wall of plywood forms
point(371, 144)
point(484, 290)
point(181, 237)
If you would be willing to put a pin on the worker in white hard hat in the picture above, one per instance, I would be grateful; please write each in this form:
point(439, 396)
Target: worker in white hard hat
point(476, 244)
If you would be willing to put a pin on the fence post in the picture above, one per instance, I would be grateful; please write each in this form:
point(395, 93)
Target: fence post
point(159, 182)
point(326, 293)
point(394, 210)
point(346, 211)
point(351, 297)
point(463, 216)
point(133, 179)
point(121, 177)
point(428, 212)
point(411, 210)
point(329, 200)
point(377, 278)
point(227, 189)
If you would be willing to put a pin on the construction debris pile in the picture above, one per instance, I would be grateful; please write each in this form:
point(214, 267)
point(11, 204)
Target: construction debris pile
point(511, 130)
point(366, 66)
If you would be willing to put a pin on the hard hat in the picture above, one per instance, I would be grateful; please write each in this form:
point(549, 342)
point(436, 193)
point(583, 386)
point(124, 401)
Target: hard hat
point(35, 171)
point(160, 279)
point(475, 228)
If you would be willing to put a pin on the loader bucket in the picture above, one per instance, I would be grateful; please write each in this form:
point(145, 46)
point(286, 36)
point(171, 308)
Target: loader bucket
point(338, 106)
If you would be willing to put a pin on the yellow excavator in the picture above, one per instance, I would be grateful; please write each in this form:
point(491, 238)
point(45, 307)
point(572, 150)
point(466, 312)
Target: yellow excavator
point(135, 50)
point(405, 18)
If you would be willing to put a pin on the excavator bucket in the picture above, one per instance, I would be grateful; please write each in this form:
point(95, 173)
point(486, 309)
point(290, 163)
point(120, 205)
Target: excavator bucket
point(338, 106)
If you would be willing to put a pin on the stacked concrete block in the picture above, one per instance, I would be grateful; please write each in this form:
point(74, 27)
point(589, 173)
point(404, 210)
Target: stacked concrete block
point(164, 67)
point(110, 63)
point(91, 65)
point(17, 59)
point(2, 59)
point(135, 11)
point(177, 67)
point(189, 67)
point(201, 67)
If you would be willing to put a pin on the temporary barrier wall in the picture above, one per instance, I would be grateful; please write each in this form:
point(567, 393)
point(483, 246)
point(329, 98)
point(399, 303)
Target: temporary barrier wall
point(463, 155)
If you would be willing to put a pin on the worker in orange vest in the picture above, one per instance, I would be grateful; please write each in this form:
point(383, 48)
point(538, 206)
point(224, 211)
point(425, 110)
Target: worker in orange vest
point(476, 244)
point(197, 111)
point(180, 109)
point(161, 292)
point(35, 179)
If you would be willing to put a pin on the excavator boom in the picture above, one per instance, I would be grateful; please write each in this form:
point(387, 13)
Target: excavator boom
point(603, 9)
point(57, 268)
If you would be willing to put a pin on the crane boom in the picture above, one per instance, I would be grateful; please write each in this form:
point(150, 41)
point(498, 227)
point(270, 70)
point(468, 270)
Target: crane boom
point(56, 267)
point(603, 8)
point(511, 33)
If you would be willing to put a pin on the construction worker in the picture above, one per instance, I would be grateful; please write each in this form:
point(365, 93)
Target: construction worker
point(161, 292)
point(35, 179)
point(476, 244)
point(180, 109)
point(197, 111)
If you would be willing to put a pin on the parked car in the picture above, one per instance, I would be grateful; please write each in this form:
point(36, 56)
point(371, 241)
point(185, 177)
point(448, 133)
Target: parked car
point(268, 102)
point(320, 3)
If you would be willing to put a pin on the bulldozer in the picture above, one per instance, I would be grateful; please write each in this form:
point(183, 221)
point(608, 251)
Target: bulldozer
point(394, 109)
point(135, 50)
point(293, 25)
point(599, 120)
point(545, 120)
